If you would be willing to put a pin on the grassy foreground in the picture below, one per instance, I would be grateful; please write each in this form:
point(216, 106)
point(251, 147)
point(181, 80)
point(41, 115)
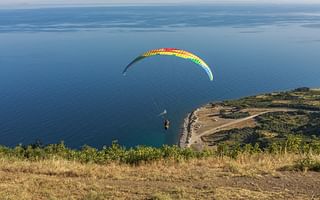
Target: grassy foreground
point(256, 176)
point(288, 171)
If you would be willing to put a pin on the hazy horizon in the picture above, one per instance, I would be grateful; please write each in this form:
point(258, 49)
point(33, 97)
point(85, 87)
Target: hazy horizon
point(19, 3)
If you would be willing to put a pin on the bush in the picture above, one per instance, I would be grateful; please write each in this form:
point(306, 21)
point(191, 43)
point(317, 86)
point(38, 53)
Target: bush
point(302, 89)
point(235, 115)
point(306, 164)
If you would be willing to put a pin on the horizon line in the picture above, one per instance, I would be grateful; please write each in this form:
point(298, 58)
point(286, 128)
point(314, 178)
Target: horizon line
point(57, 5)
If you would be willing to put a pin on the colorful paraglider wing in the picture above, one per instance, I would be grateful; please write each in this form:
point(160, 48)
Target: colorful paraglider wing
point(173, 52)
point(134, 61)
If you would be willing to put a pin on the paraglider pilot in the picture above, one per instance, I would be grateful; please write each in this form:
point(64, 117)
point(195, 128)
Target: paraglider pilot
point(166, 124)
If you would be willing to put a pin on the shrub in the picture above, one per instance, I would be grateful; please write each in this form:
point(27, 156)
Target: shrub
point(306, 164)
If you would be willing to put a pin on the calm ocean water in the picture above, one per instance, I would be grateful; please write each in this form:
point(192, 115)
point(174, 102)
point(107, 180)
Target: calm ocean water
point(61, 67)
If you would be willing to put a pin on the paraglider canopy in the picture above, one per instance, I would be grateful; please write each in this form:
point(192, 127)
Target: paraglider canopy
point(173, 52)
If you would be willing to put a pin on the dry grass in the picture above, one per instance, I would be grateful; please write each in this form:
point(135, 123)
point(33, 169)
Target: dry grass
point(248, 177)
point(244, 124)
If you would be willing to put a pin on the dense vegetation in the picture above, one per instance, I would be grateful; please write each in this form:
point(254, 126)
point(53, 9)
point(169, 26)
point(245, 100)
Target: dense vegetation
point(113, 153)
point(143, 154)
point(301, 98)
point(234, 115)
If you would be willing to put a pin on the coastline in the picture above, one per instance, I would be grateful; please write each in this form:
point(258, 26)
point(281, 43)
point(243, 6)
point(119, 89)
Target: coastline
point(187, 130)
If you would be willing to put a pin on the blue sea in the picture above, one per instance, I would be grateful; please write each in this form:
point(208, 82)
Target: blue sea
point(61, 68)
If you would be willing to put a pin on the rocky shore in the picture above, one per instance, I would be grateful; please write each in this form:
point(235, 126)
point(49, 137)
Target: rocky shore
point(189, 124)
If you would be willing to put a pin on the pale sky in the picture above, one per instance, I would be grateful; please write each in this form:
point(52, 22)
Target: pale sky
point(74, 2)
